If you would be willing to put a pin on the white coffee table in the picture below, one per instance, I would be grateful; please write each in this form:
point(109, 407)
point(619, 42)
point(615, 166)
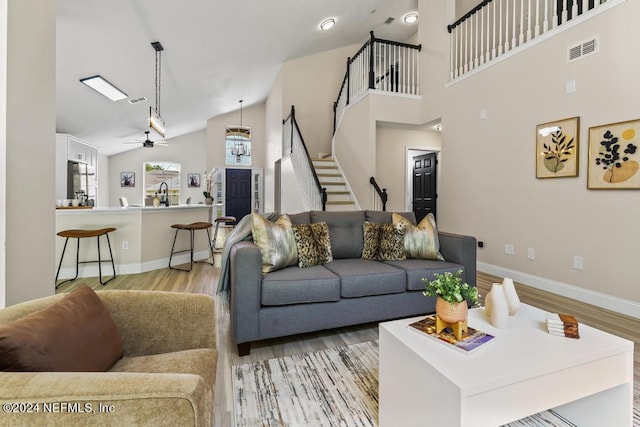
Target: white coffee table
point(522, 372)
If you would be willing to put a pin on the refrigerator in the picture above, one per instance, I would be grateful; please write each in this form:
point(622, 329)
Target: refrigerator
point(82, 182)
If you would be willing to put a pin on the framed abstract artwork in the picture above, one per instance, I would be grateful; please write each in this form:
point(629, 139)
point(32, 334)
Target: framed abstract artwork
point(614, 158)
point(127, 179)
point(557, 148)
point(193, 180)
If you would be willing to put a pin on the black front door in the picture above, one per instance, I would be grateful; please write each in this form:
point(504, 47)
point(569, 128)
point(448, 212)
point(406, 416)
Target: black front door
point(238, 192)
point(424, 185)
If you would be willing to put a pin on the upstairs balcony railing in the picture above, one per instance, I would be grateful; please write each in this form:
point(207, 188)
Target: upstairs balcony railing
point(315, 196)
point(496, 27)
point(381, 65)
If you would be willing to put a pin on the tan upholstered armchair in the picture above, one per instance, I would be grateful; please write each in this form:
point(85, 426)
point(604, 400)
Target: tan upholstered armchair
point(165, 377)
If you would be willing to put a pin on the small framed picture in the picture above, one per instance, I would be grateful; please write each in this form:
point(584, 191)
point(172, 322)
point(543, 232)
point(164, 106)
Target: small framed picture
point(127, 179)
point(557, 148)
point(193, 179)
point(614, 158)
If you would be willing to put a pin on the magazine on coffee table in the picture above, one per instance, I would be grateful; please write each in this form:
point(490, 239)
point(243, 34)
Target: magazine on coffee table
point(472, 339)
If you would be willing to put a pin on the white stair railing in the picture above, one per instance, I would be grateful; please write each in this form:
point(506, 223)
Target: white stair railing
point(496, 27)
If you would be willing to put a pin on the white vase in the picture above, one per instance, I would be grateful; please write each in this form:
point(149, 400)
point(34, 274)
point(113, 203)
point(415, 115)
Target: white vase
point(498, 307)
point(487, 305)
point(512, 296)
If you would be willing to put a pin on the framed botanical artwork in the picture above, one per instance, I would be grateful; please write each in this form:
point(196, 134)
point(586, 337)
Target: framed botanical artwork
point(193, 180)
point(127, 179)
point(614, 158)
point(557, 148)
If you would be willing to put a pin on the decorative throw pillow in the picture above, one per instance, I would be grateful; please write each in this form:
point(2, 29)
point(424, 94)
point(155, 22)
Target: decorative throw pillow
point(383, 242)
point(75, 334)
point(420, 241)
point(276, 242)
point(313, 244)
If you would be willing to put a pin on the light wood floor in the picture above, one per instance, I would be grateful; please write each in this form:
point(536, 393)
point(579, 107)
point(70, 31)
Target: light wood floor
point(204, 279)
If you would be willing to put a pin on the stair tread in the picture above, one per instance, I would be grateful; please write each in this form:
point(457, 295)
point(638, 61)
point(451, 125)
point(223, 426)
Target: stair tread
point(340, 202)
point(337, 192)
point(326, 167)
point(324, 159)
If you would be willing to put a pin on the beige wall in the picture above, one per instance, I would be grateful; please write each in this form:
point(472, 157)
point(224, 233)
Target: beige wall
point(27, 71)
point(488, 185)
point(273, 140)
point(188, 150)
point(395, 146)
point(252, 116)
point(312, 84)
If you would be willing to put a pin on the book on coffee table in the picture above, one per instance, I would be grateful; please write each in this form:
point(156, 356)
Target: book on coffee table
point(472, 339)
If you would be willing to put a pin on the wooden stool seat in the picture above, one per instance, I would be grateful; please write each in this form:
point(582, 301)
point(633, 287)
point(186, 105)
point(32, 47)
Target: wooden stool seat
point(81, 234)
point(224, 220)
point(191, 228)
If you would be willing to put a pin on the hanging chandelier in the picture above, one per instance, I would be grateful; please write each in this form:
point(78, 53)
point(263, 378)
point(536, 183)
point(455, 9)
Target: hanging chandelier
point(241, 136)
point(155, 120)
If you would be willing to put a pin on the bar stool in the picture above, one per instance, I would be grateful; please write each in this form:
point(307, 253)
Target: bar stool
point(81, 234)
point(191, 228)
point(226, 220)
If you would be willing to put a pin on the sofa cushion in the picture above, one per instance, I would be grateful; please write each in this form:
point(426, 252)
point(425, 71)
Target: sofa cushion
point(361, 277)
point(420, 241)
point(345, 231)
point(75, 334)
point(295, 285)
point(383, 241)
point(416, 269)
point(276, 242)
point(384, 217)
point(300, 218)
point(198, 361)
point(313, 244)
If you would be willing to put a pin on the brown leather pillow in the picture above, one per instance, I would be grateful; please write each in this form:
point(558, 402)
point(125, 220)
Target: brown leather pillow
point(76, 334)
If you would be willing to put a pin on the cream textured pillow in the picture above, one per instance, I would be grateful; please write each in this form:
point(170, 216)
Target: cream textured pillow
point(313, 244)
point(383, 242)
point(276, 242)
point(420, 241)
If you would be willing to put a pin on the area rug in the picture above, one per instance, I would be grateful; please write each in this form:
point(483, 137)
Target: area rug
point(333, 387)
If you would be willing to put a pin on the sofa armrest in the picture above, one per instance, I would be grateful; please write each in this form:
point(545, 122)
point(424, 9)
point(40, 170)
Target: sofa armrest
point(460, 249)
point(104, 398)
point(154, 322)
point(246, 281)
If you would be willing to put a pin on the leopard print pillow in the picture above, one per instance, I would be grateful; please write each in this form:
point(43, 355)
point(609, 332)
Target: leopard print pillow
point(313, 244)
point(383, 242)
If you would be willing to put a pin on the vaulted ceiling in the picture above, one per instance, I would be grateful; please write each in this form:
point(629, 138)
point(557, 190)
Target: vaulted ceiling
point(215, 53)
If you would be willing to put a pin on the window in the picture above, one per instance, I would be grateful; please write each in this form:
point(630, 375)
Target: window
point(238, 145)
point(157, 174)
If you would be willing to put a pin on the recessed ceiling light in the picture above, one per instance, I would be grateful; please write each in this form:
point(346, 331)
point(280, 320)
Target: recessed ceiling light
point(105, 88)
point(410, 17)
point(327, 24)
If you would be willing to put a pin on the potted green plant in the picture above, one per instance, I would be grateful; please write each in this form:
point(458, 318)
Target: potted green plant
point(453, 296)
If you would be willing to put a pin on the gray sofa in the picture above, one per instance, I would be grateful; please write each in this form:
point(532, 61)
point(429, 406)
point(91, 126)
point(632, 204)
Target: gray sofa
point(347, 291)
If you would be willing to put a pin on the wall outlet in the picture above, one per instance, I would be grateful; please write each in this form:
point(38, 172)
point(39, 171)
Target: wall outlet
point(509, 249)
point(578, 263)
point(531, 253)
point(125, 244)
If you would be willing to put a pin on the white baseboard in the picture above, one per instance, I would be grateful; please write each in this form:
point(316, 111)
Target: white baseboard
point(91, 270)
point(619, 305)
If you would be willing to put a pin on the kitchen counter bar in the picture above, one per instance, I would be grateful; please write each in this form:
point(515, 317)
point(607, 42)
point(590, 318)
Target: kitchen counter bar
point(142, 240)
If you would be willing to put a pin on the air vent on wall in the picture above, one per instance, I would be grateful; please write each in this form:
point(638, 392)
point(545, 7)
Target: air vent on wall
point(135, 101)
point(586, 47)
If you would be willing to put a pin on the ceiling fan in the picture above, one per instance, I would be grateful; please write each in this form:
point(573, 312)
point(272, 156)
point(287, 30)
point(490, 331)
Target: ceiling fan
point(147, 143)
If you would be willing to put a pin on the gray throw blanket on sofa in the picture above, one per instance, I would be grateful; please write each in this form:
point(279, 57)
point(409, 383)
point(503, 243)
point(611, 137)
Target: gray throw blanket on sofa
point(242, 231)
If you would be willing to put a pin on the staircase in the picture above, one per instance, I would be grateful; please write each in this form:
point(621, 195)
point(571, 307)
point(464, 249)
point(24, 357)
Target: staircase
point(338, 196)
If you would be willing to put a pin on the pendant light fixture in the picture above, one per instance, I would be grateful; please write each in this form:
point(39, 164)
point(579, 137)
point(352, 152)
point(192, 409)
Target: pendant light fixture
point(241, 137)
point(155, 120)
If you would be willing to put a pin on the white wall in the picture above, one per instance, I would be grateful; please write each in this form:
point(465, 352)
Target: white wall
point(27, 132)
point(488, 186)
point(188, 150)
point(273, 140)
